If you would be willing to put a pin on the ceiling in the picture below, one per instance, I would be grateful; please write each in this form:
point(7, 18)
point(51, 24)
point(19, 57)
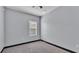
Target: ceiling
point(34, 10)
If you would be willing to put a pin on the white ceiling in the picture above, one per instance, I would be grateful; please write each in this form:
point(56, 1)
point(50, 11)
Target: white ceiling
point(36, 10)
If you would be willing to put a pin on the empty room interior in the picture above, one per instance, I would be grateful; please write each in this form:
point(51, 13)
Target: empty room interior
point(39, 29)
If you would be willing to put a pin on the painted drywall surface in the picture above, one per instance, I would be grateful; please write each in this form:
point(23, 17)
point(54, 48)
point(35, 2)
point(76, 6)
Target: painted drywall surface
point(17, 27)
point(1, 28)
point(61, 27)
point(35, 11)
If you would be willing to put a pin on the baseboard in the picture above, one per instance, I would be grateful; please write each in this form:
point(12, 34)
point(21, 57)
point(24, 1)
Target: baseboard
point(2, 50)
point(59, 47)
point(42, 41)
point(20, 44)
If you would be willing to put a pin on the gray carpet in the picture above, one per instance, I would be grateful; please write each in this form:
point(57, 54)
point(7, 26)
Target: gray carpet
point(35, 47)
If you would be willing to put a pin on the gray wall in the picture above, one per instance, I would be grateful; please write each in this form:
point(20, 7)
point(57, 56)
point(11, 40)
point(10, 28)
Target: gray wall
point(1, 28)
point(61, 27)
point(17, 28)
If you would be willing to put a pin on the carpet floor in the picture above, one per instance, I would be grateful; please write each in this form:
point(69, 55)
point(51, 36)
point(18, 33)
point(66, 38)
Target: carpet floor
point(35, 47)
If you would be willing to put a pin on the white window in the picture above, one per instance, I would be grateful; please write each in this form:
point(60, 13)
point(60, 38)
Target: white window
point(32, 28)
